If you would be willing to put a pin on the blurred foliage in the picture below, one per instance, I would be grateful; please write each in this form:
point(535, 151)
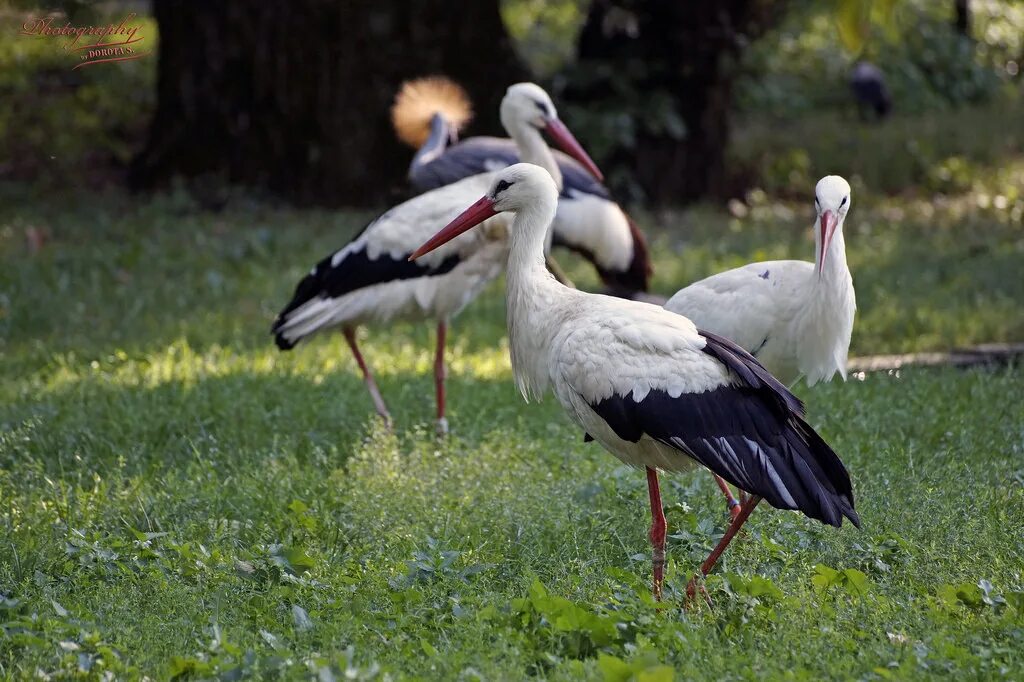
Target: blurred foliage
point(803, 64)
point(545, 31)
point(945, 151)
point(60, 124)
point(616, 114)
point(854, 19)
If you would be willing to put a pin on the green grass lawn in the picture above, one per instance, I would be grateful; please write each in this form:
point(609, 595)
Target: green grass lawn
point(178, 497)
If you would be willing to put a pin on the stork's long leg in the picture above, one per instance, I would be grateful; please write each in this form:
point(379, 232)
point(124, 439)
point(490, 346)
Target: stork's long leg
point(734, 505)
point(658, 529)
point(734, 527)
point(371, 385)
point(439, 376)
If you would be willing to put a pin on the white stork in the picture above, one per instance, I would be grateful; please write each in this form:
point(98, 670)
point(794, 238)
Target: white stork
point(371, 281)
point(647, 384)
point(428, 115)
point(795, 317)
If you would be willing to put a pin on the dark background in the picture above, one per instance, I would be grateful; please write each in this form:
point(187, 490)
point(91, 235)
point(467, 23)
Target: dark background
point(290, 99)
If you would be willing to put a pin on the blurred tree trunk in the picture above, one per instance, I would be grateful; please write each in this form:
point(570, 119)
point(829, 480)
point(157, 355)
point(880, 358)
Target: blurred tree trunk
point(294, 97)
point(962, 22)
point(670, 66)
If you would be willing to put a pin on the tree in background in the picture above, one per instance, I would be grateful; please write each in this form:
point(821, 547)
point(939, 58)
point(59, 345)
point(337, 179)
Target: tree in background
point(294, 97)
point(653, 85)
point(962, 17)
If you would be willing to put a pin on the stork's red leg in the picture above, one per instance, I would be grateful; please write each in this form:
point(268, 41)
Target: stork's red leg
point(371, 385)
point(439, 376)
point(658, 529)
point(732, 502)
point(734, 527)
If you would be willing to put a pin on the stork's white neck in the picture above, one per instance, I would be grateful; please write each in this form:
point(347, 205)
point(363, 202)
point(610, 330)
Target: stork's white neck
point(826, 315)
point(533, 148)
point(835, 269)
point(534, 298)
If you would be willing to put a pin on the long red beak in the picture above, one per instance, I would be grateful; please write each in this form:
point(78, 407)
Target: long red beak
point(468, 219)
point(828, 228)
point(568, 144)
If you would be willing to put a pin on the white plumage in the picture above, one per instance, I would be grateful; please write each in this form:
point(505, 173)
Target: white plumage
point(646, 384)
point(370, 281)
point(429, 113)
point(796, 317)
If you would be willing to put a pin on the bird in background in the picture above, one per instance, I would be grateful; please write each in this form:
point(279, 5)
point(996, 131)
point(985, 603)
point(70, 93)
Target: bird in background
point(870, 91)
point(428, 115)
point(795, 317)
point(370, 281)
point(647, 384)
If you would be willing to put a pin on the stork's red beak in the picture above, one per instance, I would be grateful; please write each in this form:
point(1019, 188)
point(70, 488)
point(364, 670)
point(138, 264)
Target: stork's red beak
point(568, 144)
point(468, 219)
point(829, 220)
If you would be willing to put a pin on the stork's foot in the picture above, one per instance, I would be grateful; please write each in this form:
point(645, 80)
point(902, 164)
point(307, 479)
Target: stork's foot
point(442, 427)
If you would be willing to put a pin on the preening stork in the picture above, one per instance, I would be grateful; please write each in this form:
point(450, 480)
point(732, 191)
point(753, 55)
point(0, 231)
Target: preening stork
point(794, 316)
point(371, 280)
point(649, 386)
point(428, 115)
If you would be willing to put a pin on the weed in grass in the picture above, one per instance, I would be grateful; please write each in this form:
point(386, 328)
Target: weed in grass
point(179, 498)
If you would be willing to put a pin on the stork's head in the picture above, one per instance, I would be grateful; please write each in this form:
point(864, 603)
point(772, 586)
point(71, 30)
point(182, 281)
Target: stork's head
point(526, 107)
point(522, 187)
point(832, 200)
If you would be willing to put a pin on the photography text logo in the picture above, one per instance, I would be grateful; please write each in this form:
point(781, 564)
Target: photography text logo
point(92, 44)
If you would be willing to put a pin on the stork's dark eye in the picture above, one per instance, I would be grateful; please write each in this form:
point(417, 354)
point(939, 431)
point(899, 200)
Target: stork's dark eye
point(843, 202)
point(542, 106)
point(502, 186)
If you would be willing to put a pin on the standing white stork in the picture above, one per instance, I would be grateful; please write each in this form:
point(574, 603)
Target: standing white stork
point(429, 113)
point(794, 316)
point(371, 280)
point(647, 384)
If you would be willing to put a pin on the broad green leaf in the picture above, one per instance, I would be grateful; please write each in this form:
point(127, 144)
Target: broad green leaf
point(658, 673)
point(852, 23)
point(856, 582)
point(428, 648)
point(613, 669)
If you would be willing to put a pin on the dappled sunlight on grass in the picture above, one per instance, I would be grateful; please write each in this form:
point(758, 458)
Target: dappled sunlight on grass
point(168, 477)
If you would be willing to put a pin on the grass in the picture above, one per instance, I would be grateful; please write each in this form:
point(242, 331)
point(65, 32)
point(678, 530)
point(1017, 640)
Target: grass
point(178, 498)
point(942, 152)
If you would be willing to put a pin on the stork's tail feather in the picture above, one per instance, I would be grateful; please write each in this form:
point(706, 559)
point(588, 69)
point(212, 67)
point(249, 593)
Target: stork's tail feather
point(418, 100)
point(307, 312)
point(823, 489)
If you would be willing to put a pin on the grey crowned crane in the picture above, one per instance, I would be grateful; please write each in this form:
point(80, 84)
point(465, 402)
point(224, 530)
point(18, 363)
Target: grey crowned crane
point(370, 280)
point(649, 386)
point(794, 316)
point(428, 115)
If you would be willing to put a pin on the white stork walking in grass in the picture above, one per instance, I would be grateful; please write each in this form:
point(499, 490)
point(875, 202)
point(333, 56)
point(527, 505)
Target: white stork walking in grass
point(428, 115)
point(649, 386)
point(371, 281)
point(794, 316)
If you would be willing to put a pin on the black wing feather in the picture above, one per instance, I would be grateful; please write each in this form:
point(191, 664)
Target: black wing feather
point(751, 433)
point(355, 271)
point(477, 155)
